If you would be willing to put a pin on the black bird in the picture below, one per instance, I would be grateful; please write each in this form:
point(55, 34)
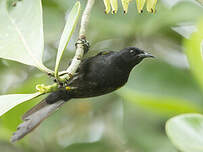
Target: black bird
point(97, 75)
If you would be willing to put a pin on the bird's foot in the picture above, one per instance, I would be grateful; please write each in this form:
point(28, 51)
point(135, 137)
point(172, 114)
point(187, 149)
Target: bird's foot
point(60, 84)
point(85, 44)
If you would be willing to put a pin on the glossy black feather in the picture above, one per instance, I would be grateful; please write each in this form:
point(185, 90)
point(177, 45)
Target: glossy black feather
point(98, 75)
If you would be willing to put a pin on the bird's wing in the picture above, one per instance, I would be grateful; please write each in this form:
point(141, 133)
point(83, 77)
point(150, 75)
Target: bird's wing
point(34, 117)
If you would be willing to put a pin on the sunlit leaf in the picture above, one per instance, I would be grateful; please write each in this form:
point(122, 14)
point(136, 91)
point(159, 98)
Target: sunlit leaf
point(200, 1)
point(194, 52)
point(186, 132)
point(158, 104)
point(21, 32)
point(16, 113)
point(7, 102)
point(71, 23)
point(185, 29)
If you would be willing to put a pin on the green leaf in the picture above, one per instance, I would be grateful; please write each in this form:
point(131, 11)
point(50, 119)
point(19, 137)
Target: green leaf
point(21, 32)
point(71, 23)
point(7, 102)
point(158, 104)
point(200, 1)
point(186, 132)
point(194, 52)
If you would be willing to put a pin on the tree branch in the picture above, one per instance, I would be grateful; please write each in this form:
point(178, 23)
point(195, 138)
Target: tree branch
point(85, 18)
point(79, 45)
point(78, 54)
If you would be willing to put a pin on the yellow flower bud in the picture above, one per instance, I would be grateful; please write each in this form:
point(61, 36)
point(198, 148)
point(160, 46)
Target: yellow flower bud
point(151, 4)
point(140, 5)
point(125, 4)
point(114, 6)
point(107, 6)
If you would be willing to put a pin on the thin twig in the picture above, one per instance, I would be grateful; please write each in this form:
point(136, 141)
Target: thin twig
point(80, 48)
point(85, 18)
point(78, 54)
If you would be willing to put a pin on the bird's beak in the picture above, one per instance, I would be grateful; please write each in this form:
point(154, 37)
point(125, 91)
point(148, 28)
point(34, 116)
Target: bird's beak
point(146, 55)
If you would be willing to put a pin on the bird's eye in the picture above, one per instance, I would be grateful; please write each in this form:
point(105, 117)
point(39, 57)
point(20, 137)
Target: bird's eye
point(132, 52)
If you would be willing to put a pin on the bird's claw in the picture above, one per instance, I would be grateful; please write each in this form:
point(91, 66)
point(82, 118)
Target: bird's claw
point(85, 44)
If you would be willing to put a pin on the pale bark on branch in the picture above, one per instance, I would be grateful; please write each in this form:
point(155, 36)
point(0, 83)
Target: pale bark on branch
point(82, 36)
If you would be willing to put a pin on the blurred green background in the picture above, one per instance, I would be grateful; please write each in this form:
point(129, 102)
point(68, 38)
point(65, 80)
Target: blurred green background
point(131, 119)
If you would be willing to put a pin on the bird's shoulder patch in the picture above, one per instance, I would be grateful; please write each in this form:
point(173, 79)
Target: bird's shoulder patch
point(105, 52)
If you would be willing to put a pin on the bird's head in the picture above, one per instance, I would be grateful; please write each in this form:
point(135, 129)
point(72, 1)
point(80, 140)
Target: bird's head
point(133, 55)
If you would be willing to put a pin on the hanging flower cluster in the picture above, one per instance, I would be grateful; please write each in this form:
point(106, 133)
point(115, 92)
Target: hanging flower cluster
point(113, 4)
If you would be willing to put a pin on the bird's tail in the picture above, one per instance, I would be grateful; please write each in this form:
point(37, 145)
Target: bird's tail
point(33, 117)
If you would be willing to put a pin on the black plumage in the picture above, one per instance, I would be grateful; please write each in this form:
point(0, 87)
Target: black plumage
point(97, 75)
